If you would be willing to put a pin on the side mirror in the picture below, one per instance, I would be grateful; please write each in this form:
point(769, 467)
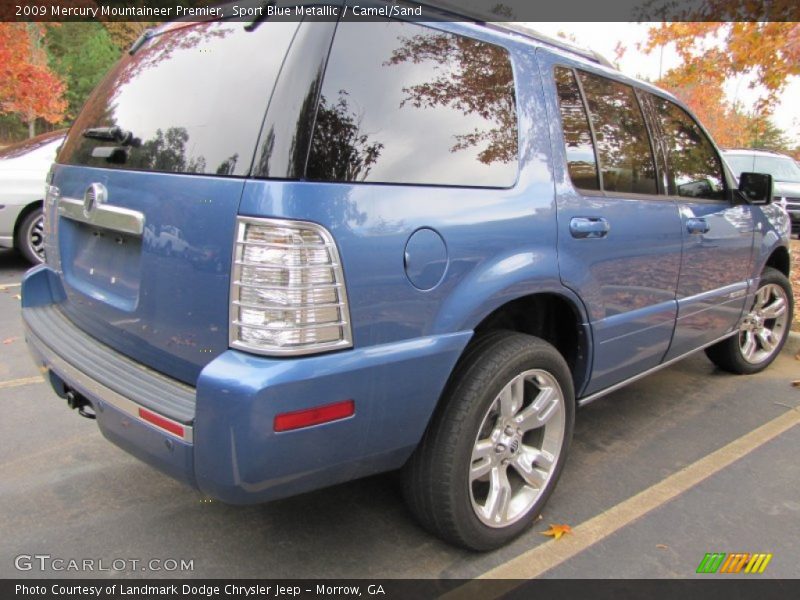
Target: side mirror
point(756, 187)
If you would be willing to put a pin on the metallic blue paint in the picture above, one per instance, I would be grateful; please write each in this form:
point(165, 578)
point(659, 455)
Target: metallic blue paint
point(626, 290)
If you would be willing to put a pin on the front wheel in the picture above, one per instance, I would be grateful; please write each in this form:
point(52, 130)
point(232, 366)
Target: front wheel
point(762, 331)
point(497, 444)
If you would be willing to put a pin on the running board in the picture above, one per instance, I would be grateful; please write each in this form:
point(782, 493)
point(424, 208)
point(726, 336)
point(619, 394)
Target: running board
point(592, 397)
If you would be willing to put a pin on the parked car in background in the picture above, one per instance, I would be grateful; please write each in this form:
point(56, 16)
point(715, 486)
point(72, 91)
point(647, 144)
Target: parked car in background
point(785, 175)
point(393, 245)
point(23, 173)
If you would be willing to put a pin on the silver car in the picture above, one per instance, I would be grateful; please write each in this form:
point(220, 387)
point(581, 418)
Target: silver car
point(23, 170)
point(785, 176)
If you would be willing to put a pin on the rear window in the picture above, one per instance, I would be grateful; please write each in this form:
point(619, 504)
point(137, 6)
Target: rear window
point(402, 103)
point(191, 100)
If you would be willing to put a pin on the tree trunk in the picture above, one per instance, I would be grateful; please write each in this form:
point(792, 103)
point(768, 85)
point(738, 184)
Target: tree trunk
point(32, 128)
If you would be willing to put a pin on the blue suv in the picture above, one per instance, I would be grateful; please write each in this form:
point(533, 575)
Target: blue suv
point(283, 255)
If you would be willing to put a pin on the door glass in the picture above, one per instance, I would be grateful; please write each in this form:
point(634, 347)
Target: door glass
point(623, 145)
point(695, 169)
point(581, 160)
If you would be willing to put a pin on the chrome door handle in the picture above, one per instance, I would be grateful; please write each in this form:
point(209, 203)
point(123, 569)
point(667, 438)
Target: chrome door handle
point(697, 226)
point(589, 227)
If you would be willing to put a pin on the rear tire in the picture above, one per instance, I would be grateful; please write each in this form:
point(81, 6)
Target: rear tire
point(496, 445)
point(763, 331)
point(30, 237)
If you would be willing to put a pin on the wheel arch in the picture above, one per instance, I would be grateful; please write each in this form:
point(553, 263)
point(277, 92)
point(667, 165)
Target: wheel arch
point(28, 209)
point(779, 259)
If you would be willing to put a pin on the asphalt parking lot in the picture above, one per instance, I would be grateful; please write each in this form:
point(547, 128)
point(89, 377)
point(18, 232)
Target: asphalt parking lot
point(688, 461)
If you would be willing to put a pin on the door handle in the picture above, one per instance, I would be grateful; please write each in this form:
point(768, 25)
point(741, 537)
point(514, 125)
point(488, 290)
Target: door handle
point(589, 227)
point(697, 226)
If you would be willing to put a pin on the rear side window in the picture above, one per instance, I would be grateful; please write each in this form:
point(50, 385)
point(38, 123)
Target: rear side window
point(623, 144)
point(581, 160)
point(695, 169)
point(402, 103)
point(189, 101)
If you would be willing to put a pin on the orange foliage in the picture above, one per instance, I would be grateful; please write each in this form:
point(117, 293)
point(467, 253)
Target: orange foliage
point(713, 51)
point(27, 85)
point(706, 99)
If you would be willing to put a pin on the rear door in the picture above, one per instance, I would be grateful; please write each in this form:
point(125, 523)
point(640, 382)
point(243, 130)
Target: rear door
point(150, 180)
point(717, 233)
point(619, 241)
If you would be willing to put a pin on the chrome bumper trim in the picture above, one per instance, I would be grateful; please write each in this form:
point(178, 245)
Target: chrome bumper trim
point(98, 390)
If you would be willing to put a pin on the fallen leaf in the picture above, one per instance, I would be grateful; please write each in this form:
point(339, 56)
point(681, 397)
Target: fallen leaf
point(556, 531)
point(796, 383)
point(10, 340)
point(662, 546)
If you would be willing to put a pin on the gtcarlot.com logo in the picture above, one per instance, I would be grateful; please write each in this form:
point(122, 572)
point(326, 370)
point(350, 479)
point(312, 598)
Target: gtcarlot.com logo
point(47, 562)
point(737, 562)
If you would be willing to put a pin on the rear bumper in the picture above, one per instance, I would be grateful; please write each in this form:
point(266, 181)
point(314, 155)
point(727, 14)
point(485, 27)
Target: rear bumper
point(228, 448)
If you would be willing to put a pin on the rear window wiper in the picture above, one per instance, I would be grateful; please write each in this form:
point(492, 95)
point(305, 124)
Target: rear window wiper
point(114, 134)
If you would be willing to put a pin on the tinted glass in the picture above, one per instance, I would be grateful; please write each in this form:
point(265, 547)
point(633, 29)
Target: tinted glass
point(581, 160)
point(694, 167)
point(623, 145)
point(402, 103)
point(193, 100)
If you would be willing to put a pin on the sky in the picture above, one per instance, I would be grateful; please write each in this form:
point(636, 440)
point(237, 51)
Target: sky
point(603, 38)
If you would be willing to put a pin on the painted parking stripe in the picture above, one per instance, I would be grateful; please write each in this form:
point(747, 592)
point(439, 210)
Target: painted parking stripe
point(20, 382)
point(550, 554)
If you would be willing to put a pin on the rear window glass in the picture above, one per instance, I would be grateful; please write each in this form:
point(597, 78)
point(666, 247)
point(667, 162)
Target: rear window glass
point(189, 101)
point(402, 103)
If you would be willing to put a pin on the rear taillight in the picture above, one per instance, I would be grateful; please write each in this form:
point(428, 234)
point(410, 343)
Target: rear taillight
point(287, 291)
point(50, 213)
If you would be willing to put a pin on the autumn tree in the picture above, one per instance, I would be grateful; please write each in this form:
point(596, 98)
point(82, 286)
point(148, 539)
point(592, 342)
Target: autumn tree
point(767, 51)
point(80, 53)
point(28, 88)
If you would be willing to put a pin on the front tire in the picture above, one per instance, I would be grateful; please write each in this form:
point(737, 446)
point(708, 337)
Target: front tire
point(30, 237)
point(763, 330)
point(497, 444)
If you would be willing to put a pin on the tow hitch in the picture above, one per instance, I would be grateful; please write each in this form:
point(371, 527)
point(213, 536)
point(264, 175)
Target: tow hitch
point(85, 408)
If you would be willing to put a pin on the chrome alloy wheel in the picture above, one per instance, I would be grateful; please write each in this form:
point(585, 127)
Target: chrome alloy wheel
point(517, 448)
point(763, 328)
point(34, 237)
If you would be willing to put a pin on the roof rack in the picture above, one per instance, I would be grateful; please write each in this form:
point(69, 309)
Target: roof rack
point(491, 19)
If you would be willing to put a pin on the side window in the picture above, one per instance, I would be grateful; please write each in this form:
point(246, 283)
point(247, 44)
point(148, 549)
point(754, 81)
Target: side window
point(694, 167)
point(623, 145)
point(419, 106)
point(581, 160)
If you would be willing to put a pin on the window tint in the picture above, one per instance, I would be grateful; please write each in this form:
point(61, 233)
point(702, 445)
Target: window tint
point(581, 160)
point(192, 101)
point(623, 145)
point(402, 103)
point(694, 167)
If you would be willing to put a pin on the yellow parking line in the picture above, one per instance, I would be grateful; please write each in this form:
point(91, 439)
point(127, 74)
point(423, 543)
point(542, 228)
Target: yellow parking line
point(8, 286)
point(550, 554)
point(18, 382)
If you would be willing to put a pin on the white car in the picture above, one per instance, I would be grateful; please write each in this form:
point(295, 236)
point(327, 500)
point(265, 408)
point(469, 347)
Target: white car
point(23, 171)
